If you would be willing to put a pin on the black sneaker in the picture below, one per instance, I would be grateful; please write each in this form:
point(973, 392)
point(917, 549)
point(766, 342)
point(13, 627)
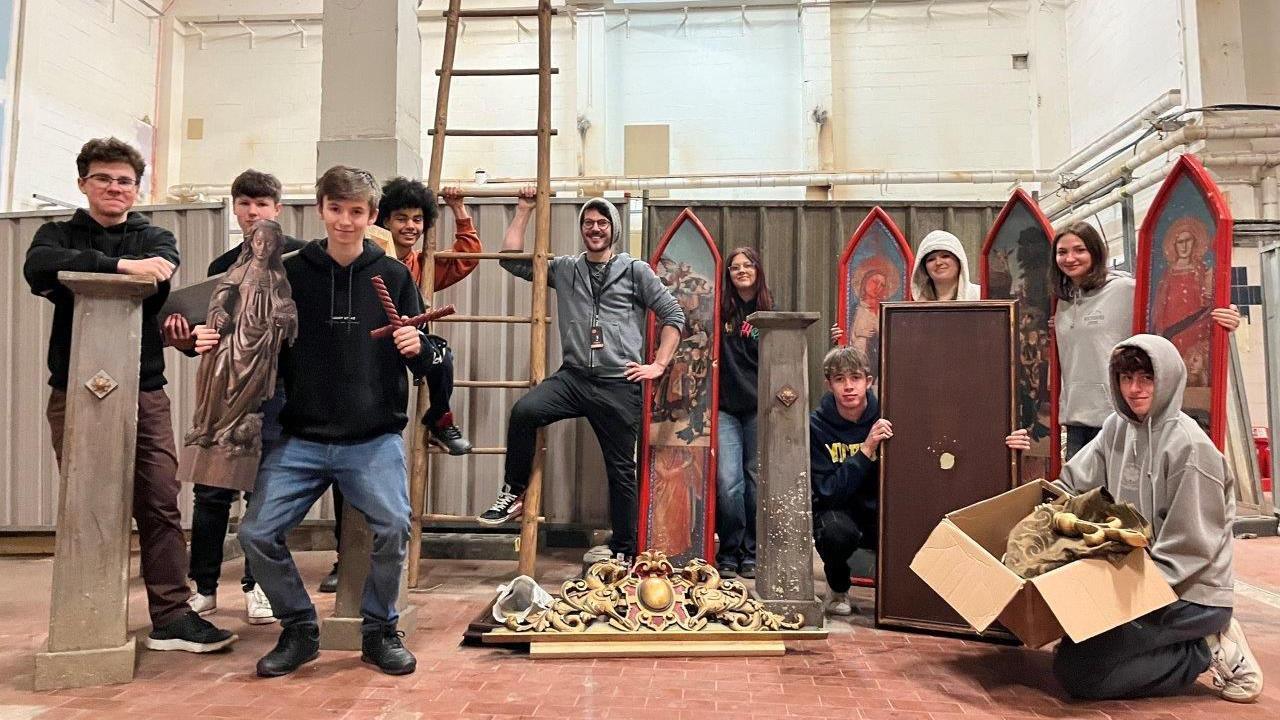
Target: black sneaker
point(330, 582)
point(450, 438)
point(189, 633)
point(506, 507)
point(747, 570)
point(298, 644)
point(727, 570)
point(383, 647)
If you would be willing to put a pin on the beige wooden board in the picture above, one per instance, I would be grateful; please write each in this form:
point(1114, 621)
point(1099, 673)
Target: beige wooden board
point(754, 648)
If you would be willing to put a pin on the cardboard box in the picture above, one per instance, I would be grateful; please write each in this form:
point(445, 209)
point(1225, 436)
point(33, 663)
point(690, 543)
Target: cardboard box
point(961, 562)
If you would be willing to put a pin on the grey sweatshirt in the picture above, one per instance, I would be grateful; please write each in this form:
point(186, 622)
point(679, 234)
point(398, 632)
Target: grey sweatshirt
point(1170, 470)
point(922, 286)
point(1086, 328)
point(629, 290)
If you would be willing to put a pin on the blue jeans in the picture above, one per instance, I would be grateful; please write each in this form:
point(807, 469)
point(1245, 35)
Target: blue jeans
point(372, 476)
point(737, 466)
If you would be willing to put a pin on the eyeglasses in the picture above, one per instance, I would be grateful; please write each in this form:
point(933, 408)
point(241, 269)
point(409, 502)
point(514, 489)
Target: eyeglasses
point(595, 223)
point(743, 266)
point(104, 181)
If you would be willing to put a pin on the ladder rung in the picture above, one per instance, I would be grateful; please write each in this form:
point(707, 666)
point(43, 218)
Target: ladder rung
point(489, 133)
point(493, 383)
point(499, 13)
point(450, 255)
point(496, 192)
point(498, 72)
point(489, 318)
point(444, 518)
point(433, 450)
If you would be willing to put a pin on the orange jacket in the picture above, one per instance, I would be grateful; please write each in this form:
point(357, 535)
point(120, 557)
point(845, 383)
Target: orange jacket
point(448, 271)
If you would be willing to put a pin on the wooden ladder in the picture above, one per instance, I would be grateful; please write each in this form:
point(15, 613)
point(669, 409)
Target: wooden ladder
point(420, 475)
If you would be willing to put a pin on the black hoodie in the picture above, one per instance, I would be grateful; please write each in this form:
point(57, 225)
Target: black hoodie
point(82, 245)
point(341, 384)
point(739, 360)
point(842, 477)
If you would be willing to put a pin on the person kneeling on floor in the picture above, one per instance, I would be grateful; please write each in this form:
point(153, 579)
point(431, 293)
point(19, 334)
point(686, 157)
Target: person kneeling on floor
point(1153, 455)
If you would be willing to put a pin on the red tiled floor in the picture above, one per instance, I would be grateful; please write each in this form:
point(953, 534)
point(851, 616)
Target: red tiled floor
point(858, 673)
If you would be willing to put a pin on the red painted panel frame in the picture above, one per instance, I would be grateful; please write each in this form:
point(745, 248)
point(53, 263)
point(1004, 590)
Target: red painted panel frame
point(877, 214)
point(1189, 166)
point(1021, 197)
point(686, 215)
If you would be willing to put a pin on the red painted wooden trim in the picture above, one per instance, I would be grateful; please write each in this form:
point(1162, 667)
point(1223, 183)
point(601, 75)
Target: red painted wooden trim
point(646, 413)
point(1190, 166)
point(1021, 196)
point(842, 270)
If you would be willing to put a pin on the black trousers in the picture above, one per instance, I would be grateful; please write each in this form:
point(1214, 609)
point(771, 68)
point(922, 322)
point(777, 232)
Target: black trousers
point(837, 534)
point(439, 380)
point(211, 513)
point(1160, 653)
point(612, 407)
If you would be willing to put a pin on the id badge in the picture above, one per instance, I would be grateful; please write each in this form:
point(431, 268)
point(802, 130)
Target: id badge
point(597, 338)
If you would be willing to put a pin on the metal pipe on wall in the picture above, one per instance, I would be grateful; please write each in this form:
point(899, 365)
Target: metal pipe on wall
point(1137, 121)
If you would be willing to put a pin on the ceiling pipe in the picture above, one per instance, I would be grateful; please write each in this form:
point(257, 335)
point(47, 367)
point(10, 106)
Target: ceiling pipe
point(1178, 138)
point(1137, 121)
point(1270, 185)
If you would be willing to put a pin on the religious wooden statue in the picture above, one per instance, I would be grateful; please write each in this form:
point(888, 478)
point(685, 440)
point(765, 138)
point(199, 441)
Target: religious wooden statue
point(253, 310)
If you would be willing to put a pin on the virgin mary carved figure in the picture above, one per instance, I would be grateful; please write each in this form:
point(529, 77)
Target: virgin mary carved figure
point(253, 310)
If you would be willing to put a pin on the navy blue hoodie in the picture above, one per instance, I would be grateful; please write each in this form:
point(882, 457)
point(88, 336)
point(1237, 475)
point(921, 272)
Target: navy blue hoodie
point(842, 477)
point(341, 384)
point(82, 245)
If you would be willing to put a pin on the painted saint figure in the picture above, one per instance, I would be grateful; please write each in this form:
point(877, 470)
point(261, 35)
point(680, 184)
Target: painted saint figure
point(877, 284)
point(1184, 296)
point(253, 310)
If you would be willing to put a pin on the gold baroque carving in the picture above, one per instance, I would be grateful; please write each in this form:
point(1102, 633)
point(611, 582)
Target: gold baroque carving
point(653, 596)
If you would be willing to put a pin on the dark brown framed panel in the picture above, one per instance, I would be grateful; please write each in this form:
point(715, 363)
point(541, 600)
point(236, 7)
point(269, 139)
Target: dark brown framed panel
point(947, 385)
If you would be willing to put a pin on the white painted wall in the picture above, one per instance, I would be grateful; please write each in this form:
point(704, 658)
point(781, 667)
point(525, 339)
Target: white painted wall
point(932, 91)
point(260, 106)
point(83, 75)
point(730, 91)
point(1120, 56)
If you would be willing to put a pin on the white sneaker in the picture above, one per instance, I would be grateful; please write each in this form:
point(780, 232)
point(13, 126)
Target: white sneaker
point(1235, 670)
point(203, 604)
point(258, 607)
point(599, 553)
point(838, 603)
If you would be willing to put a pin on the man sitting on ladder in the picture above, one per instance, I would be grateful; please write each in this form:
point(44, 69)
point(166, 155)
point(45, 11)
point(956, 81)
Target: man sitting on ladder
point(602, 297)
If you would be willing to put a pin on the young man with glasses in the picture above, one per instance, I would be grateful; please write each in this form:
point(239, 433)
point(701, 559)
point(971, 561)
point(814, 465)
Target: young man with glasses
point(107, 238)
point(602, 301)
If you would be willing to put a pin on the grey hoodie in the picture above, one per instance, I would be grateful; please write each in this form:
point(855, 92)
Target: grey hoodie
point(941, 240)
point(1170, 470)
point(630, 288)
point(1086, 328)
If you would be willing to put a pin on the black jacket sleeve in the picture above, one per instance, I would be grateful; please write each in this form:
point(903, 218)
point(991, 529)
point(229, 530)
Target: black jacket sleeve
point(836, 483)
point(50, 253)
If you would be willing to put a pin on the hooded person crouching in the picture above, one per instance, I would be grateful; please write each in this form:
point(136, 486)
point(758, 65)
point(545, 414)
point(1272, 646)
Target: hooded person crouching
point(1153, 455)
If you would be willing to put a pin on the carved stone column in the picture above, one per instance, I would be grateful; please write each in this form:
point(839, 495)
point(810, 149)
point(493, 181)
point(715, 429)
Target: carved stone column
point(784, 515)
point(89, 613)
point(341, 631)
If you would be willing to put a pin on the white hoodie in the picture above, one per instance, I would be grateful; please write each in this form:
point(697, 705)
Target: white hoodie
point(941, 240)
point(1170, 470)
point(1086, 328)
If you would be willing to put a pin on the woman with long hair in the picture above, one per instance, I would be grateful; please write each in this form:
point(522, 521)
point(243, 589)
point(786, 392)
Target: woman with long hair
point(745, 291)
point(1095, 312)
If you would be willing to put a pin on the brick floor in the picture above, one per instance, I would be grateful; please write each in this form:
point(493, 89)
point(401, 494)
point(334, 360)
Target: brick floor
point(858, 673)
